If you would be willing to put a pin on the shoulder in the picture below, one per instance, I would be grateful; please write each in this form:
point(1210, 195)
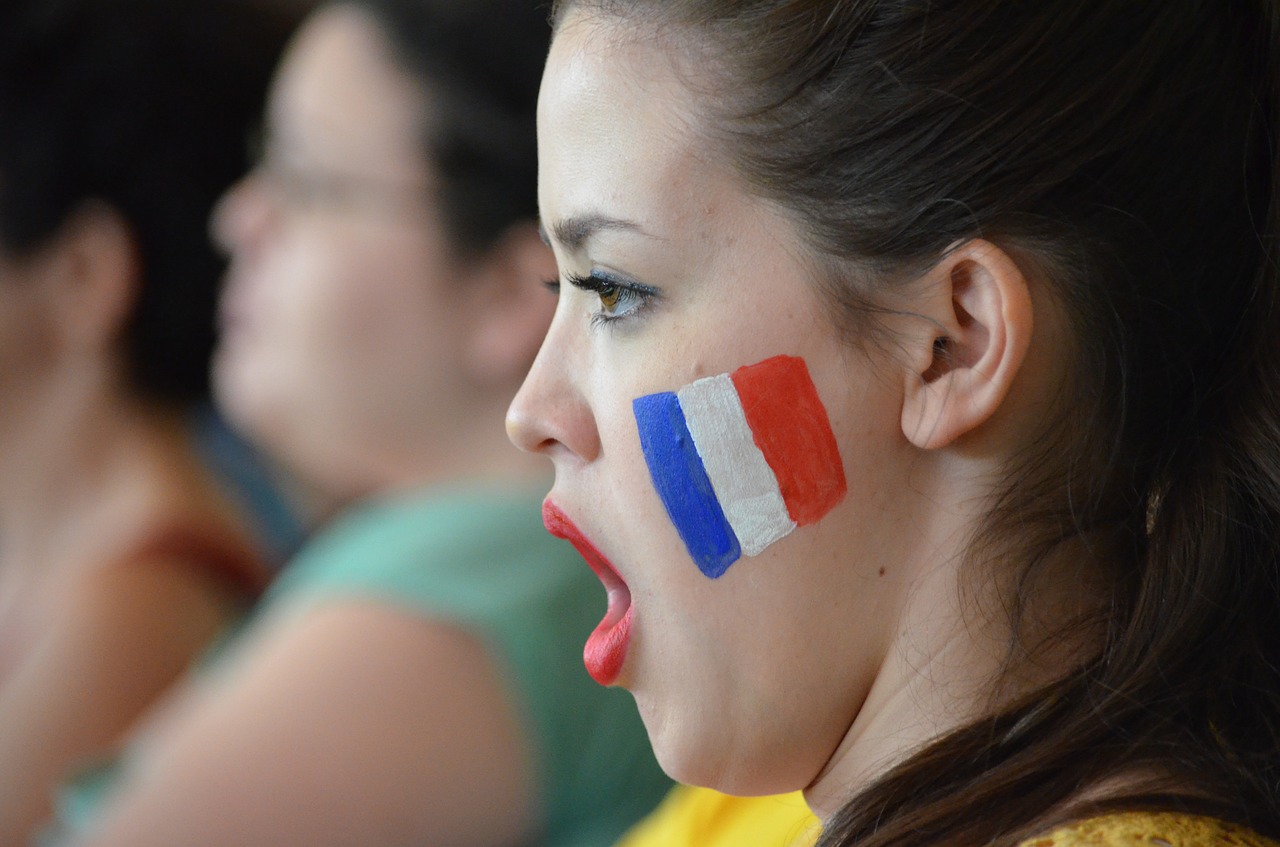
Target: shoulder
point(167, 576)
point(476, 569)
point(205, 549)
point(1150, 829)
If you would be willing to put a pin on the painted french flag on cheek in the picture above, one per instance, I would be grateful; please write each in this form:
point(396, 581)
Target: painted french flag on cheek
point(741, 459)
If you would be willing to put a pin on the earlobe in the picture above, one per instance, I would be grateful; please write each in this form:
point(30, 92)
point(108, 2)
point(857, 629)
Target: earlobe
point(95, 271)
point(979, 323)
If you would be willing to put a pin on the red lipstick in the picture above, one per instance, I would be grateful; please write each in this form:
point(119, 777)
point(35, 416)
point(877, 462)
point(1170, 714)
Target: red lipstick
point(606, 649)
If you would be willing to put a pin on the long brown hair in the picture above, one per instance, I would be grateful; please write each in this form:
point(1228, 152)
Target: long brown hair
point(1128, 150)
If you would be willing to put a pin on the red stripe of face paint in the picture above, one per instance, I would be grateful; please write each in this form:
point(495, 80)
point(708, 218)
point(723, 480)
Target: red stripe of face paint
point(792, 429)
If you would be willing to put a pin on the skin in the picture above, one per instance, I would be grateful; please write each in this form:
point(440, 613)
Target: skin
point(850, 642)
point(368, 357)
point(92, 630)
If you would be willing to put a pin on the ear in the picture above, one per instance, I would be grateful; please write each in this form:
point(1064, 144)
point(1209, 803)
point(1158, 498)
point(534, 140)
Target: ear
point(972, 345)
point(93, 271)
point(510, 308)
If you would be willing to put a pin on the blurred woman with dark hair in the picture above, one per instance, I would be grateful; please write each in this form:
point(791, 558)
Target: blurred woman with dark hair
point(121, 553)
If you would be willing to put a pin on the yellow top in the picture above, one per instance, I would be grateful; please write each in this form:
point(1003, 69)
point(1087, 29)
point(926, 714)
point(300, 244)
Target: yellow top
point(700, 817)
point(1150, 829)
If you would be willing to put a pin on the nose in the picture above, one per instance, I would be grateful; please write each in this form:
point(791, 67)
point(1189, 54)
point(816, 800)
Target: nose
point(242, 215)
point(550, 414)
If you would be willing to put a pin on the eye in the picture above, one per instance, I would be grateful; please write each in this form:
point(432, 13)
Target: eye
point(618, 298)
point(610, 295)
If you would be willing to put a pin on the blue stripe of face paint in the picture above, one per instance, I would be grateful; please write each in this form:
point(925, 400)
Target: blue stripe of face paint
point(683, 484)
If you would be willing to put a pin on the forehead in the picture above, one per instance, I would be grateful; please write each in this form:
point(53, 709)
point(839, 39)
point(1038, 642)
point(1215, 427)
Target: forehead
point(618, 131)
point(339, 85)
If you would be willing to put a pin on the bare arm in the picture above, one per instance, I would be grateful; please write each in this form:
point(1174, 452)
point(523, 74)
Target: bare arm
point(353, 724)
point(119, 639)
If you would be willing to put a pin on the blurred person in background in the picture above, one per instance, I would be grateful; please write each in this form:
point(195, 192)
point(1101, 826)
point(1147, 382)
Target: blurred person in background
point(414, 674)
point(122, 553)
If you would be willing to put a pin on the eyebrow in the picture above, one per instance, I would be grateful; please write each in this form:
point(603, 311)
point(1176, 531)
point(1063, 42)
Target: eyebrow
point(574, 232)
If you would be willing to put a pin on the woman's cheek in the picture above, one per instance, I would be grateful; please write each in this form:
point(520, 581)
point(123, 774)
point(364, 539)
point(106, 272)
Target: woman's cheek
point(741, 460)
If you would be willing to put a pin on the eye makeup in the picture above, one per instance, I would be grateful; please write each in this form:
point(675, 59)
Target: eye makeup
point(619, 298)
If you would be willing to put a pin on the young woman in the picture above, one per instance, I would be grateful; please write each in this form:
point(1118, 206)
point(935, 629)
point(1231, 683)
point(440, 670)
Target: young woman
point(411, 676)
point(122, 553)
point(913, 390)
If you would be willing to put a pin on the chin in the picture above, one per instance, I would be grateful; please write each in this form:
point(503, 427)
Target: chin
point(245, 403)
point(699, 747)
point(687, 744)
point(725, 771)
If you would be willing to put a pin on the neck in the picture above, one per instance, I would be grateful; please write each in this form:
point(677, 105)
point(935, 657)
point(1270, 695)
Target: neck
point(70, 452)
point(952, 660)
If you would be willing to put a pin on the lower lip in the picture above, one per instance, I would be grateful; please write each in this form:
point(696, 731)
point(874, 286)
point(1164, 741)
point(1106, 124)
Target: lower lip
point(606, 648)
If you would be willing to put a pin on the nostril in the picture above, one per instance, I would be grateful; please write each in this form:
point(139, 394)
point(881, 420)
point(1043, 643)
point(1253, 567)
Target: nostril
point(533, 431)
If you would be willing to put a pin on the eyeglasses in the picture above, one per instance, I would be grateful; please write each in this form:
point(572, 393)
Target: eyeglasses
point(310, 188)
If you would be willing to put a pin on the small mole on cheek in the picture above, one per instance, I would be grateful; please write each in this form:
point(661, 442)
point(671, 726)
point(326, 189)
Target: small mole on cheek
point(882, 572)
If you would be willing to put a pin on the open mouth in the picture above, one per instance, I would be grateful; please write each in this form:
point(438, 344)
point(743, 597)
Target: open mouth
point(606, 648)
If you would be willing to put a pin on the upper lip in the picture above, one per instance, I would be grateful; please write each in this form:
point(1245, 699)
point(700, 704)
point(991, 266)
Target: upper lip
point(561, 526)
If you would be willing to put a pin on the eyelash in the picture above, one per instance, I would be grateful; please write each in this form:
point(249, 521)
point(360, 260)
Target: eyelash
point(630, 295)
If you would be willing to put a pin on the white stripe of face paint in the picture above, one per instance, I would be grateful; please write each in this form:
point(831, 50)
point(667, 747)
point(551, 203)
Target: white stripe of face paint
point(743, 481)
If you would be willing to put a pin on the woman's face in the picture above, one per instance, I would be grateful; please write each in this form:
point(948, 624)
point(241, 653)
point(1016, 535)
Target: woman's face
point(338, 345)
point(747, 680)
